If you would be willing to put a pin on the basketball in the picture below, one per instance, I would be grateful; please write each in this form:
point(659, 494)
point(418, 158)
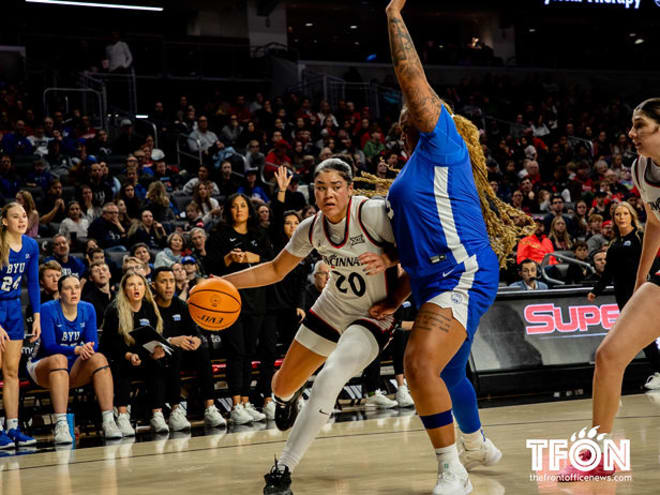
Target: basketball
point(214, 304)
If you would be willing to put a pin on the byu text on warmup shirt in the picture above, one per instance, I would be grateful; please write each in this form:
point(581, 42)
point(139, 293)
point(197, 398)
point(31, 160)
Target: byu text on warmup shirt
point(24, 261)
point(434, 205)
point(60, 335)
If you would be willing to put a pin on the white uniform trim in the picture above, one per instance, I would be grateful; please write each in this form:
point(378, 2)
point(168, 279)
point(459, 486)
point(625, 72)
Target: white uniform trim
point(649, 192)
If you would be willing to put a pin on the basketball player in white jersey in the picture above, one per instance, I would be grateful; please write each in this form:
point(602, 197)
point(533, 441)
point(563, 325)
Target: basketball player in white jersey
point(637, 326)
point(351, 234)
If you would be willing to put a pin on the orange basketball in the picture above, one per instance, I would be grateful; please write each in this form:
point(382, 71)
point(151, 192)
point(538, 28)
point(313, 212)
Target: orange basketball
point(214, 304)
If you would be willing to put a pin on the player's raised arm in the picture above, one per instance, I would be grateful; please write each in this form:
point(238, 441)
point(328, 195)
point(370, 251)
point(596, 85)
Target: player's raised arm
point(424, 106)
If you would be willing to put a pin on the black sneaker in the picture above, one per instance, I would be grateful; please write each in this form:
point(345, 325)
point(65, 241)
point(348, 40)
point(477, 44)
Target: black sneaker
point(278, 481)
point(286, 412)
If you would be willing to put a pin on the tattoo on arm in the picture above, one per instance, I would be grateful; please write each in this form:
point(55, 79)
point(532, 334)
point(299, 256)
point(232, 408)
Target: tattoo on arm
point(428, 321)
point(423, 104)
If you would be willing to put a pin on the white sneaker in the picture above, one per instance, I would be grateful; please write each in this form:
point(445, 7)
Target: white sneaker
point(486, 455)
point(178, 420)
point(403, 398)
point(111, 430)
point(213, 418)
point(62, 435)
point(653, 382)
point(380, 401)
point(124, 424)
point(452, 482)
point(269, 411)
point(158, 424)
point(256, 415)
point(239, 416)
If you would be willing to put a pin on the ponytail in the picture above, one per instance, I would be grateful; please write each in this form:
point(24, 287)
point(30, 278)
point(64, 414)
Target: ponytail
point(4, 240)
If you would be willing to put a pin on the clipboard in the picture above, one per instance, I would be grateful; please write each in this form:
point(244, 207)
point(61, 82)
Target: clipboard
point(149, 339)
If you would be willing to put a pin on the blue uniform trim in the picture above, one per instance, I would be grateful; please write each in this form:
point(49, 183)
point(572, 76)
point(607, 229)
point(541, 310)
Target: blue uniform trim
point(437, 420)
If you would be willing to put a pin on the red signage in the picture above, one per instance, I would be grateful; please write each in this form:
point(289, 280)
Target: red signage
point(547, 318)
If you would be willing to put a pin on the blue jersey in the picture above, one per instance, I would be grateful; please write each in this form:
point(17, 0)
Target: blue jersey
point(435, 209)
point(73, 266)
point(25, 261)
point(61, 336)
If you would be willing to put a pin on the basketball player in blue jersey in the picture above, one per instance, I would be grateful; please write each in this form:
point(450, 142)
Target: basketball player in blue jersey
point(440, 206)
point(19, 255)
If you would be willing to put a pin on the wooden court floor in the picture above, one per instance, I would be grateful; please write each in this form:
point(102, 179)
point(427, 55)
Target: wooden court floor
point(385, 456)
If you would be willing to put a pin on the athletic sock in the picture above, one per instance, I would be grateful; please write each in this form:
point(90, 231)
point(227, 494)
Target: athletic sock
point(474, 441)
point(12, 424)
point(60, 418)
point(107, 415)
point(448, 458)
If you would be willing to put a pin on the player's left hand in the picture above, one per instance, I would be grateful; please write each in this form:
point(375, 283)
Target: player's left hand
point(195, 342)
point(373, 263)
point(382, 309)
point(36, 328)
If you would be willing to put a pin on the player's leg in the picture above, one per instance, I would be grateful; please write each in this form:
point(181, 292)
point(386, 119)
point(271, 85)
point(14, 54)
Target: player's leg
point(97, 370)
point(52, 372)
point(356, 348)
point(10, 391)
point(635, 328)
point(436, 337)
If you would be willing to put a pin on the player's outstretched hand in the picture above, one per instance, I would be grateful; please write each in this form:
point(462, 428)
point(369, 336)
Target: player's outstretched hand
point(395, 6)
point(382, 309)
point(373, 263)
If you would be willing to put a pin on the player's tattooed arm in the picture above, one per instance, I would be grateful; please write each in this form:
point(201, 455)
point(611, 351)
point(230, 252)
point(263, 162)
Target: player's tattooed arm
point(424, 105)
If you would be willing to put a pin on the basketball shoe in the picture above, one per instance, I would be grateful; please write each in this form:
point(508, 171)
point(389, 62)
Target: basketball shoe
point(61, 433)
point(124, 424)
point(653, 382)
point(213, 418)
point(286, 412)
point(379, 400)
point(486, 455)
point(452, 481)
point(256, 415)
point(269, 410)
point(403, 398)
point(278, 480)
point(239, 416)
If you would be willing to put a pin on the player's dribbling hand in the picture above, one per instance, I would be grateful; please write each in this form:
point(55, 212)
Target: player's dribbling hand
point(382, 309)
point(4, 339)
point(395, 6)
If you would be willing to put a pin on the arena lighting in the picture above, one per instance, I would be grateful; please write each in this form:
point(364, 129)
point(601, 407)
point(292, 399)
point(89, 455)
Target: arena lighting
point(639, 41)
point(97, 4)
point(141, 116)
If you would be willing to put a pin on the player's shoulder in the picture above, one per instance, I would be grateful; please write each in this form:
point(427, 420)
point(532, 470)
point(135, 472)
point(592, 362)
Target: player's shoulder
point(86, 306)
point(50, 306)
point(30, 244)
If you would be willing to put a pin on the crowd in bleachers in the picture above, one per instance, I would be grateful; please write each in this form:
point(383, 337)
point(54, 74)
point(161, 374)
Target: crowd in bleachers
point(103, 205)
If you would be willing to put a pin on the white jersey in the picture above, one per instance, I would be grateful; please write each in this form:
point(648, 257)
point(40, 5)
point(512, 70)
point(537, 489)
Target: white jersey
point(648, 187)
point(349, 292)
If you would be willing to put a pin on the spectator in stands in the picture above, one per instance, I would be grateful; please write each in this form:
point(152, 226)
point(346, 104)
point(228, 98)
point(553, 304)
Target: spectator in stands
point(127, 142)
point(148, 231)
point(598, 260)
point(124, 219)
point(141, 252)
point(577, 273)
point(254, 158)
point(74, 225)
point(181, 281)
point(39, 140)
point(308, 211)
point(374, 146)
point(173, 253)
point(40, 176)
point(599, 241)
point(99, 145)
point(237, 244)
point(535, 246)
point(107, 230)
point(52, 208)
point(194, 217)
point(101, 189)
point(228, 183)
point(133, 264)
point(202, 176)
point(67, 358)
point(181, 332)
point(252, 188)
point(528, 272)
point(158, 202)
point(59, 161)
point(24, 198)
point(263, 214)
point(580, 219)
point(132, 202)
point(559, 236)
point(198, 242)
point(49, 273)
point(320, 276)
point(10, 182)
point(191, 268)
point(90, 211)
point(98, 290)
point(231, 131)
point(17, 142)
point(601, 205)
point(61, 253)
point(209, 205)
point(135, 307)
point(275, 158)
point(556, 210)
point(118, 55)
point(294, 199)
point(202, 139)
point(132, 178)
